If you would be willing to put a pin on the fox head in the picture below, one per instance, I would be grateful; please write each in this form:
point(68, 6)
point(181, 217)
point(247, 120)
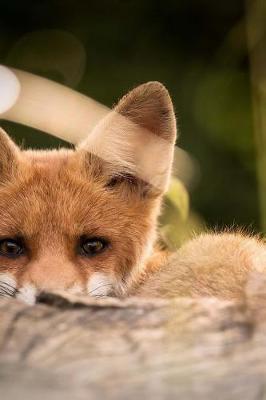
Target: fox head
point(84, 220)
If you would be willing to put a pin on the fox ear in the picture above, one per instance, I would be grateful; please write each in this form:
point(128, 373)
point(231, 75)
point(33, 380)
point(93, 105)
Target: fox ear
point(149, 106)
point(8, 156)
point(137, 138)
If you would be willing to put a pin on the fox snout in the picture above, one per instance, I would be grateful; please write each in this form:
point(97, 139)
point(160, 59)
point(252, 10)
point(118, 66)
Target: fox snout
point(53, 276)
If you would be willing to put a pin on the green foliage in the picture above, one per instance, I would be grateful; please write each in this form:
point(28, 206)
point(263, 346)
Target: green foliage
point(177, 222)
point(178, 197)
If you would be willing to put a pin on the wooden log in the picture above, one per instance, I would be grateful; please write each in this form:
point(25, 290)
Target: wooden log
point(68, 347)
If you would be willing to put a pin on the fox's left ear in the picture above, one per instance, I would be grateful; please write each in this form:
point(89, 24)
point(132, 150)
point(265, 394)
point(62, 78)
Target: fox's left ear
point(8, 156)
point(136, 139)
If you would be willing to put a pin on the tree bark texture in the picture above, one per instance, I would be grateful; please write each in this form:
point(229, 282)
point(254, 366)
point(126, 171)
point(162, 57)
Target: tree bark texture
point(68, 347)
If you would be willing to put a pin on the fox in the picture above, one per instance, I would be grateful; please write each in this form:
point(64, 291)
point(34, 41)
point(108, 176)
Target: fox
point(85, 220)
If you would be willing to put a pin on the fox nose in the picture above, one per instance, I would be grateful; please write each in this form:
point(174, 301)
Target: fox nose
point(50, 275)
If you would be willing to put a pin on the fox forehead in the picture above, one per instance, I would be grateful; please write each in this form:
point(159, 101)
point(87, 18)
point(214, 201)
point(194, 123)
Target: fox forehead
point(50, 158)
point(52, 192)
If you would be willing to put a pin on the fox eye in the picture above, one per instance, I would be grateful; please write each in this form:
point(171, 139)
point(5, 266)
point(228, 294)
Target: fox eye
point(11, 248)
point(91, 246)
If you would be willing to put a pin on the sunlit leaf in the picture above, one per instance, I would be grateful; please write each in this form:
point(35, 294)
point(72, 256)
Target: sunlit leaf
point(179, 198)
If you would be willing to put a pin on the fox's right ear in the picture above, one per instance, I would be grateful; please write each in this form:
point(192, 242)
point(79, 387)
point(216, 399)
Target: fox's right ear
point(137, 138)
point(8, 156)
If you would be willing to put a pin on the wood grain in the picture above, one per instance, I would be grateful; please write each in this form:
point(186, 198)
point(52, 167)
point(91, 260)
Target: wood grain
point(67, 347)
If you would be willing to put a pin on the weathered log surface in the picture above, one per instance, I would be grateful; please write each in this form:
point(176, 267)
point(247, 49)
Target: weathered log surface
point(70, 348)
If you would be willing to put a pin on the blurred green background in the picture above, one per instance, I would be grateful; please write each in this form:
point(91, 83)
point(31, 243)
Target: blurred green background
point(197, 48)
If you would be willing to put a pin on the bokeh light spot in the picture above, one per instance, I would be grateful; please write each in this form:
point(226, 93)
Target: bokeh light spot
point(10, 89)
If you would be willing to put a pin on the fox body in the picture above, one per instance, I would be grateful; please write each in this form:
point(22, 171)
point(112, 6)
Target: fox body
point(211, 264)
point(85, 220)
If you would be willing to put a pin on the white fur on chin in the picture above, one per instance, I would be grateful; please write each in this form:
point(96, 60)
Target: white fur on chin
point(99, 284)
point(27, 294)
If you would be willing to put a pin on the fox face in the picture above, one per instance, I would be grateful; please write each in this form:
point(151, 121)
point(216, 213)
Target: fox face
point(84, 220)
